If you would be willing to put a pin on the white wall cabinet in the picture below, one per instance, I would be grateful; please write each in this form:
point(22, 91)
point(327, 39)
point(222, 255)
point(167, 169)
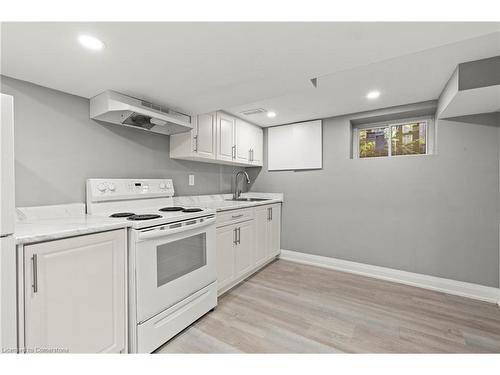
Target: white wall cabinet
point(75, 294)
point(257, 146)
point(226, 148)
point(198, 144)
point(220, 138)
point(247, 239)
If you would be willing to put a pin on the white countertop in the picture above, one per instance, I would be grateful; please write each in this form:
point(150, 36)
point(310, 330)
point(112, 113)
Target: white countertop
point(45, 223)
point(222, 202)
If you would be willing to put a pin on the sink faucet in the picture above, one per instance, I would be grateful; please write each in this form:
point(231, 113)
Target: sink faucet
point(237, 192)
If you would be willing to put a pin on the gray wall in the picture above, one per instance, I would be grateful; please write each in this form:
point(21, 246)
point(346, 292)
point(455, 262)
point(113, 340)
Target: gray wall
point(479, 73)
point(57, 147)
point(434, 214)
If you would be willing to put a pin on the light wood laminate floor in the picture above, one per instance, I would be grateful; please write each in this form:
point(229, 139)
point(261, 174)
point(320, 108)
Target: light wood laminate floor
point(294, 308)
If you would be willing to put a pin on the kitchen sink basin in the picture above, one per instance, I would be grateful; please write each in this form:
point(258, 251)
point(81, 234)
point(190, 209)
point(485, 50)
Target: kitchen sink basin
point(248, 199)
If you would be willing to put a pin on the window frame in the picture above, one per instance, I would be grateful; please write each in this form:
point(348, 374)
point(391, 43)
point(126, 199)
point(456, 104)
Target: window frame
point(429, 135)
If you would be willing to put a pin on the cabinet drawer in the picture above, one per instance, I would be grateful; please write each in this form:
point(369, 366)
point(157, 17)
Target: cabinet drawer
point(234, 216)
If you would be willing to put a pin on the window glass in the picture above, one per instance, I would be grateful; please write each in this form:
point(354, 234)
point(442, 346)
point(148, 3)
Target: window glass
point(408, 139)
point(374, 142)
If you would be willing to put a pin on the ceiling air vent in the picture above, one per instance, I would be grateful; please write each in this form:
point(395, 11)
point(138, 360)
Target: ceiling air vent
point(251, 112)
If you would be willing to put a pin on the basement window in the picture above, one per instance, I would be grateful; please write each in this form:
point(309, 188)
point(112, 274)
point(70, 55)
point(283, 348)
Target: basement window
point(406, 137)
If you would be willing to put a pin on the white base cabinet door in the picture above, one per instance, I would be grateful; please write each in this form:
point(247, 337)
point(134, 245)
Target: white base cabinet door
point(75, 294)
point(247, 239)
point(268, 232)
point(261, 234)
point(245, 248)
point(225, 242)
point(275, 230)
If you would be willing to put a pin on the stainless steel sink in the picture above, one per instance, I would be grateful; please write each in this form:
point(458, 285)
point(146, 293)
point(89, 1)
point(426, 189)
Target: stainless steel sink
point(248, 199)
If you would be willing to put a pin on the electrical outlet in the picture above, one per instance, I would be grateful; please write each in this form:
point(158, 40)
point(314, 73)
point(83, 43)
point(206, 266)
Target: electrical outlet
point(191, 179)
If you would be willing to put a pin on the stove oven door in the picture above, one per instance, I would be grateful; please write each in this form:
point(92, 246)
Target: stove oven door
point(173, 262)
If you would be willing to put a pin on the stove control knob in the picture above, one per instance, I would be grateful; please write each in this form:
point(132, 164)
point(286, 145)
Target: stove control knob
point(169, 184)
point(163, 185)
point(102, 187)
point(111, 186)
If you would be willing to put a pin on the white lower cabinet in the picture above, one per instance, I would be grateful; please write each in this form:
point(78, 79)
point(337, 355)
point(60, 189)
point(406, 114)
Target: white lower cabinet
point(75, 294)
point(268, 231)
point(274, 230)
point(245, 248)
point(261, 234)
point(226, 243)
point(246, 245)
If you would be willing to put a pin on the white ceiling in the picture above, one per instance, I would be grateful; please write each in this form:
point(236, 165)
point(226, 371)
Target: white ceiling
point(200, 67)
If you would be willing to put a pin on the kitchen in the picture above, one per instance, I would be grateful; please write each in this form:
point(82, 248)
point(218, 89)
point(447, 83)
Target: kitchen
point(231, 207)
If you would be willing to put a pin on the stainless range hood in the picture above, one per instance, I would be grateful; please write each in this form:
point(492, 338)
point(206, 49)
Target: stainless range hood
point(116, 108)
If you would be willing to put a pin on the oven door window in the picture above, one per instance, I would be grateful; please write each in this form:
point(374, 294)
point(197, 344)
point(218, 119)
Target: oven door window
point(178, 258)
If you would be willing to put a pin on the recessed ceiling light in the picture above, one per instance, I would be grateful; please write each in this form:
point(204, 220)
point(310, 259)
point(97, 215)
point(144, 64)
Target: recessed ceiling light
point(271, 114)
point(373, 94)
point(90, 42)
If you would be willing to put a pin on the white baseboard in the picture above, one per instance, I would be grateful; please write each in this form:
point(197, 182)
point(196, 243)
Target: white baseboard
point(459, 288)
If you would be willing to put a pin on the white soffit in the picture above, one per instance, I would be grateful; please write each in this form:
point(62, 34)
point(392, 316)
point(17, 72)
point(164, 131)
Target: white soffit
point(406, 79)
point(479, 94)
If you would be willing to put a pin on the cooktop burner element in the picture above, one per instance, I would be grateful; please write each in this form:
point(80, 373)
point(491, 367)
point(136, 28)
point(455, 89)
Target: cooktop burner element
point(143, 217)
point(170, 209)
point(122, 214)
point(192, 210)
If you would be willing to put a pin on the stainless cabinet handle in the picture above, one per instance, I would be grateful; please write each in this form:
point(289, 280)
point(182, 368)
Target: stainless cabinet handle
point(236, 216)
point(34, 261)
point(268, 214)
point(271, 212)
point(195, 143)
point(235, 236)
point(233, 152)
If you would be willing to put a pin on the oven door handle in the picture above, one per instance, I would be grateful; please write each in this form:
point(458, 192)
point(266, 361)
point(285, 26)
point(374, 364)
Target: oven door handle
point(166, 230)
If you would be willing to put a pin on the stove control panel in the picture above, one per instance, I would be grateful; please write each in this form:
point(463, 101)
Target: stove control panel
point(108, 189)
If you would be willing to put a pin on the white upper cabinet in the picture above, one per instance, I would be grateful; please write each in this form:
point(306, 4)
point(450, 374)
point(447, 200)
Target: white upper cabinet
point(204, 140)
point(226, 148)
point(199, 143)
point(249, 139)
point(257, 146)
point(218, 137)
point(243, 133)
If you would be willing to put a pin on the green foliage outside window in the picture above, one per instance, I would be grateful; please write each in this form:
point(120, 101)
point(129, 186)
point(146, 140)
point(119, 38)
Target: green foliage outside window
point(403, 139)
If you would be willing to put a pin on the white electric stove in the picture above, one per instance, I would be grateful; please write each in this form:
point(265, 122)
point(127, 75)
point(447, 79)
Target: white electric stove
point(171, 260)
